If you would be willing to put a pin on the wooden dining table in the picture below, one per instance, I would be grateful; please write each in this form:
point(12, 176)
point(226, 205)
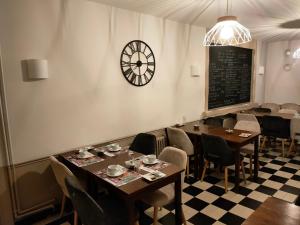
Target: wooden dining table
point(233, 139)
point(275, 211)
point(133, 191)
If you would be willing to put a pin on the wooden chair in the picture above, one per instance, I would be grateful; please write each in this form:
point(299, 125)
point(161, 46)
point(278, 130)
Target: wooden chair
point(179, 139)
point(108, 211)
point(166, 195)
point(216, 150)
point(273, 106)
point(295, 133)
point(61, 172)
point(248, 122)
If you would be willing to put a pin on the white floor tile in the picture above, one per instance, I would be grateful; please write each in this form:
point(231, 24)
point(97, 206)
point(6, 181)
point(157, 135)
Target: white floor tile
point(283, 174)
point(207, 197)
point(261, 197)
point(241, 211)
point(213, 212)
point(234, 197)
point(273, 166)
point(293, 183)
point(202, 185)
point(285, 196)
point(273, 184)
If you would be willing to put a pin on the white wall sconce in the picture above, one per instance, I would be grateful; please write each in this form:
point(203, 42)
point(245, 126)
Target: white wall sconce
point(37, 69)
point(195, 70)
point(287, 52)
point(287, 67)
point(261, 70)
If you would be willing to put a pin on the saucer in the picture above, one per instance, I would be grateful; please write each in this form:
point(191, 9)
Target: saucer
point(145, 161)
point(118, 173)
point(115, 150)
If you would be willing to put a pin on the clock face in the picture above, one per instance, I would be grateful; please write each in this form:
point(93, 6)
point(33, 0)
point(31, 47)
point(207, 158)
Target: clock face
point(137, 63)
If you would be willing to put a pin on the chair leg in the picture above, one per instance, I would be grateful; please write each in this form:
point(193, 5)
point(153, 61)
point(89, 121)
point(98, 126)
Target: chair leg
point(204, 170)
point(250, 165)
point(75, 217)
point(264, 142)
point(243, 171)
point(291, 147)
point(188, 166)
point(283, 143)
point(183, 217)
point(62, 209)
point(155, 212)
point(226, 178)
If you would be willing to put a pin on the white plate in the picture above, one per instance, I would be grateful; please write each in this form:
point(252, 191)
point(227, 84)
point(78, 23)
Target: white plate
point(114, 150)
point(145, 161)
point(119, 173)
point(85, 156)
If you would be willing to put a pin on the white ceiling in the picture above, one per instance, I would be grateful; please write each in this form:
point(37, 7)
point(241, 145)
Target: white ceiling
point(262, 17)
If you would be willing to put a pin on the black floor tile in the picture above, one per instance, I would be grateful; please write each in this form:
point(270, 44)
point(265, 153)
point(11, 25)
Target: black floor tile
point(290, 189)
point(296, 177)
point(266, 190)
point(231, 219)
point(202, 219)
point(278, 179)
point(168, 219)
point(216, 190)
point(294, 161)
point(191, 190)
point(250, 203)
point(259, 180)
point(277, 162)
point(288, 169)
point(211, 179)
point(224, 204)
point(268, 170)
point(196, 204)
point(243, 191)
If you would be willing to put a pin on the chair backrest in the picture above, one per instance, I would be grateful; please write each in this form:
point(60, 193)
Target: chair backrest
point(246, 116)
point(275, 126)
point(273, 106)
point(90, 213)
point(295, 127)
point(179, 139)
point(61, 172)
point(247, 122)
point(216, 149)
point(288, 111)
point(175, 156)
point(262, 110)
point(291, 106)
point(144, 143)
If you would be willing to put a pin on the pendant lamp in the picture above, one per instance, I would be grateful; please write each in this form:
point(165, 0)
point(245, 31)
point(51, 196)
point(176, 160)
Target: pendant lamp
point(227, 31)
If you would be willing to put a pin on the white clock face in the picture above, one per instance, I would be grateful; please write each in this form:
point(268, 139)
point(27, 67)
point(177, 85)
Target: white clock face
point(137, 63)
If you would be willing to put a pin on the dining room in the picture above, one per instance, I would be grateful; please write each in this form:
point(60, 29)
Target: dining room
point(149, 112)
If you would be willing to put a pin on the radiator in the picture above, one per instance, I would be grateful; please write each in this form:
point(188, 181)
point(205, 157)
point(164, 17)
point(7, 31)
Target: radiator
point(161, 142)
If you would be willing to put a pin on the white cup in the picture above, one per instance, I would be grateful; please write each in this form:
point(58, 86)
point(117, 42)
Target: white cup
point(151, 158)
point(82, 152)
point(113, 169)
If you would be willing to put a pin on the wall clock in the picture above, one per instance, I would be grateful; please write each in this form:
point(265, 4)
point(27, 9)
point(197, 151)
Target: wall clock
point(137, 63)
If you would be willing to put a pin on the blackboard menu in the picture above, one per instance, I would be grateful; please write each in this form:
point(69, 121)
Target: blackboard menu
point(230, 70)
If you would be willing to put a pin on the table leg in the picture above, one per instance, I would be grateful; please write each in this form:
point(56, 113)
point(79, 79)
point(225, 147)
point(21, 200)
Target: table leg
point(255, 159)
point(237, 168)
point(178, 209)
point(131, 213)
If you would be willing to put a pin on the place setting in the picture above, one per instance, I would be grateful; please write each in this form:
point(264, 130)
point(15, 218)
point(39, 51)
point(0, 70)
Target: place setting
point(111, 150)
point(82, 157)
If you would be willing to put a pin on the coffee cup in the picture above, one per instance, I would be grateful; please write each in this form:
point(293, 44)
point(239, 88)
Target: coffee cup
point(82, 152)
point(151, 158)
point(113, 169)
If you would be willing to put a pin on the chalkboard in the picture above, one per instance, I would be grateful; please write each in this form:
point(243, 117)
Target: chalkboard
point(230, 70)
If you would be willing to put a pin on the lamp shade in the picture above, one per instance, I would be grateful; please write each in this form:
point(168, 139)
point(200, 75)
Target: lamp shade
point(37, 68)
point(227, 31)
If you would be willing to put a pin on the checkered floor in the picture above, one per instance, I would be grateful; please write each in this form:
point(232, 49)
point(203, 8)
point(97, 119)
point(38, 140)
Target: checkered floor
point(206, 202)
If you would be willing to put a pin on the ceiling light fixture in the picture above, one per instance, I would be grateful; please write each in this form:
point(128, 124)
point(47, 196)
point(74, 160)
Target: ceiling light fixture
point(227, 31)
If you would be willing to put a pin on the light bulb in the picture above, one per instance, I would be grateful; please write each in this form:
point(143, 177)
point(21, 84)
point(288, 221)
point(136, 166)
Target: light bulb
point(226, 32)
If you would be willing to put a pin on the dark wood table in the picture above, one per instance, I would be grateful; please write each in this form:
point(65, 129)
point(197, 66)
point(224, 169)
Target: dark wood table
point(134, 190)
point(275, 212)
point(232, 139)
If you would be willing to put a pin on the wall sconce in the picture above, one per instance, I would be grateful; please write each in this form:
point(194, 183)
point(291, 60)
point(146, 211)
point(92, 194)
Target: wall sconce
point(37, 69)
point(287, 67)
point(261, 70)
point(195, 70)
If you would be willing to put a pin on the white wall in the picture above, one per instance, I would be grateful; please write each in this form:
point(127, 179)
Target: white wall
point(282, 86)
point(86, 100)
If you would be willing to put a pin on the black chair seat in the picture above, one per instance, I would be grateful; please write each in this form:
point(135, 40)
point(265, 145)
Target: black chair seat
point(275, 126)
